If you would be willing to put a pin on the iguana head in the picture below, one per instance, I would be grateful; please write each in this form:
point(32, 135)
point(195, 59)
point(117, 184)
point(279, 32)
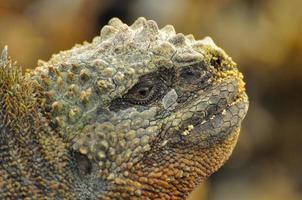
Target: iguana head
point(143, 112)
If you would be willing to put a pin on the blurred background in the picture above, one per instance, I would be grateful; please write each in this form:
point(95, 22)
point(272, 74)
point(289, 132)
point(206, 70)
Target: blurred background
point(263, 36)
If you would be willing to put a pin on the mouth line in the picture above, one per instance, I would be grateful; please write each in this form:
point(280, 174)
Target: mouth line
point(219, 111)
point(219, 122)
point(203, 130)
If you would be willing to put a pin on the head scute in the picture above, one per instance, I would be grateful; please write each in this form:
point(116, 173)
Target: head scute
point(169, 30)
point(108, 32)
point(164, 49)
point(178, 40)
point(188, 57)
point(204, 43)
point(190, 38)
point(140, 22)
point(116, 23)
point(151, 27)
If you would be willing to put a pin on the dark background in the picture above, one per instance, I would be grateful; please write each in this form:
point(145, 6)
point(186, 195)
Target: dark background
point(263, 36)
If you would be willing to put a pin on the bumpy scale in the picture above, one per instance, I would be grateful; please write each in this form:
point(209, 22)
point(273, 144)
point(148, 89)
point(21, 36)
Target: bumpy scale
point(138, 113)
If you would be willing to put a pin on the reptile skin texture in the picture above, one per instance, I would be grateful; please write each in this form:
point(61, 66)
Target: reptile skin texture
point(138, 113)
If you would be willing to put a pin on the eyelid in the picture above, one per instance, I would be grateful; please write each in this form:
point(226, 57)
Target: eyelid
point(159, 89)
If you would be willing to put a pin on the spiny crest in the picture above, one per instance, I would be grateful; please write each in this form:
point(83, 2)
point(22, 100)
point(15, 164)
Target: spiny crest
point(10, 75)
point(16, 99)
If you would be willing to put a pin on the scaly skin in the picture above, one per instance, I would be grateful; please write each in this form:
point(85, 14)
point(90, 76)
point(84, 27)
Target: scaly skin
point(139, 113)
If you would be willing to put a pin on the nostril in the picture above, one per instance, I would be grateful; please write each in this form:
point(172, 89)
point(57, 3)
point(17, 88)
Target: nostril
point(216, 62)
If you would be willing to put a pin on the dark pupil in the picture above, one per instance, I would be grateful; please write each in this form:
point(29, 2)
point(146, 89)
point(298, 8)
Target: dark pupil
point(143, 92)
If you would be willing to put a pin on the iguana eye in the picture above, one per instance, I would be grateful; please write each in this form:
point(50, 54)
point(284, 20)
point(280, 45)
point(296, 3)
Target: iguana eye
point(148, 90)
point(142, 93)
